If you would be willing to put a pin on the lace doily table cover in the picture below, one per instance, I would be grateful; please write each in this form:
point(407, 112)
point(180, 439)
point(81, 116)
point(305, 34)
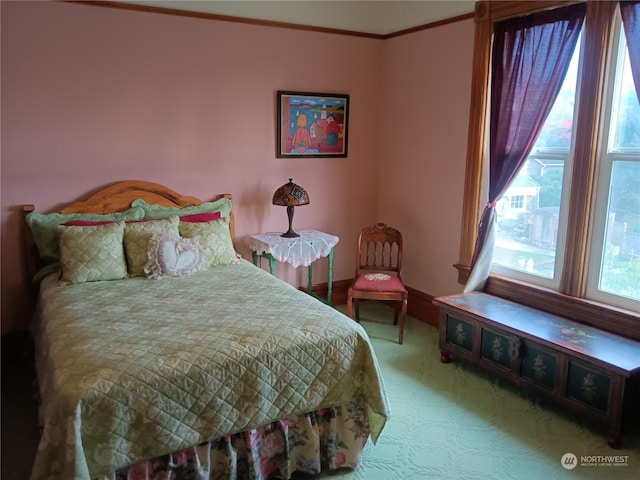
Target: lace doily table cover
point(297, 251)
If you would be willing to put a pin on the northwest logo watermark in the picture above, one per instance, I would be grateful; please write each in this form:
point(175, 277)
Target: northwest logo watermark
point(570, 461)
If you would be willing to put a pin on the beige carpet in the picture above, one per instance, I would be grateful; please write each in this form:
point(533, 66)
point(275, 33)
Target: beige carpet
point(454, 421)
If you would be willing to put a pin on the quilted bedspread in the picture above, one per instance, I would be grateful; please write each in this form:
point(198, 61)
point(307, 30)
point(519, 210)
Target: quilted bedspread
point(135, 368)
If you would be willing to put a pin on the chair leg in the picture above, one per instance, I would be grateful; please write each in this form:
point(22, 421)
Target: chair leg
point(403, 316)
point(350, 302)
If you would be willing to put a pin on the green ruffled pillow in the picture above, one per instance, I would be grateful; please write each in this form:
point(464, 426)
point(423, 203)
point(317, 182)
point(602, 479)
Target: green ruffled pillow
point(213, 240)
point(136, 240)
point(90, 254)
point(155, 212)
point(45, 234)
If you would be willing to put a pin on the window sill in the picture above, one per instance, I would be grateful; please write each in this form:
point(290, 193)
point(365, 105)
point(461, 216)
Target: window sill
point(611, 319)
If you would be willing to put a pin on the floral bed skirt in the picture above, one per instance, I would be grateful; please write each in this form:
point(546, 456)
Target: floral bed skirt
point(322, 440)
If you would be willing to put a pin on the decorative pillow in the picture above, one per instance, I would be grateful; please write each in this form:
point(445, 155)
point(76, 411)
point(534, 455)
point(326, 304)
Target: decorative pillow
point(45, 234)
point(200, 217)
point(136, 240)
point(171, 256)
point(213, 240)
point(154, 212)
point(90, 254)
point(85, 223)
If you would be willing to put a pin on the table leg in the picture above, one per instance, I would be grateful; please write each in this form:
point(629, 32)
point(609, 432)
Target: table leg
point(310, 283)
point(272, 261)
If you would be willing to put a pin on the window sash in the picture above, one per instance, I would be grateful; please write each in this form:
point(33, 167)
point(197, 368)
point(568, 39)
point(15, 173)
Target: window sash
point(610, 156)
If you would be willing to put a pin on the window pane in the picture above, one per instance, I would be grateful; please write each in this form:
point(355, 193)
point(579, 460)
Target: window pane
point(625, 120)
point(620, 271)
point(527, 217)
point(528, 213)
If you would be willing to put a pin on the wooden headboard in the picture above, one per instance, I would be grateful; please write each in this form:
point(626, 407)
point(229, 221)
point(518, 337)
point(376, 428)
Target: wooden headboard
point(116, 198)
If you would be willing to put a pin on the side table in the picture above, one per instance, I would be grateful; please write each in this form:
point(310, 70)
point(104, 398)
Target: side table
point(297, 251)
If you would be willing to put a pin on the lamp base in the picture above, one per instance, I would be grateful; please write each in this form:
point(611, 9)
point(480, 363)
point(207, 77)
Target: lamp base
point(290, 234)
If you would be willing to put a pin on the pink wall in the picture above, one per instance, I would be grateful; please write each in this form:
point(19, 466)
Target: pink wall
point(93, 95)
point(421, 176)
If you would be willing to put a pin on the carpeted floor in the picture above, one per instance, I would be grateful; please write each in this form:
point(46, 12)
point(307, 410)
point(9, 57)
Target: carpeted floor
point(455, 421)
point(449, 421)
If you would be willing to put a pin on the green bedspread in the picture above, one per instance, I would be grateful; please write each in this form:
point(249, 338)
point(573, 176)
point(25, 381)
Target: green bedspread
point(135, 368)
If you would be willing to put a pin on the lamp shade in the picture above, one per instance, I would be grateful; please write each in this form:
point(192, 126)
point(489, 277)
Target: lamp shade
point(290, 195)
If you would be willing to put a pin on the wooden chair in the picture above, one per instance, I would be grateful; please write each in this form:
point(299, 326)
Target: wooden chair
point(379, 272)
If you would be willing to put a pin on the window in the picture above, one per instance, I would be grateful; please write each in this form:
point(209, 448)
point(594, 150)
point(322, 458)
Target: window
point(517, 202)
point(527, 243)
point(614, 269)
point(568, 236)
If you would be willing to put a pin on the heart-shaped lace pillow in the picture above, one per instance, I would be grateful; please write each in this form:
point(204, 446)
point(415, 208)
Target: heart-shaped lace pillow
point(170, 256)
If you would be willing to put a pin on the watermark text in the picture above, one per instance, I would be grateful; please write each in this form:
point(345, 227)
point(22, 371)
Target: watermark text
point(570, 461)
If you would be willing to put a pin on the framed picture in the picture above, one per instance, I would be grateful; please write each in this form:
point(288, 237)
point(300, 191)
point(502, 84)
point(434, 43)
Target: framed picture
point(312, 124)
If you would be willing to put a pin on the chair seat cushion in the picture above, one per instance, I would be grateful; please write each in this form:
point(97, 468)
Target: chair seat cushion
point(378, 282)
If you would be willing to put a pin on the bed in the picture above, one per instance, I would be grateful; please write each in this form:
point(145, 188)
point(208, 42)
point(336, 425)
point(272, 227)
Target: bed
point(191, 363)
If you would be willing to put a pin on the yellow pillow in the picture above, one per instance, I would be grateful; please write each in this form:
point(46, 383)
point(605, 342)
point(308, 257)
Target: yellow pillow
point(213, 240)
point(136, 240)
point(92, 253)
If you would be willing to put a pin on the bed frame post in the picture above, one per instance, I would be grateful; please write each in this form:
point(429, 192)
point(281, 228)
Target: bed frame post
point(31, 256)
point(232, 222)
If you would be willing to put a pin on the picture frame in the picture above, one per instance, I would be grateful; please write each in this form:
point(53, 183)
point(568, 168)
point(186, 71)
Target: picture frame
point(312, 124)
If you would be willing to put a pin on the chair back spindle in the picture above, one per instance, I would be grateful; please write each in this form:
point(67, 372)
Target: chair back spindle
point(380, 249)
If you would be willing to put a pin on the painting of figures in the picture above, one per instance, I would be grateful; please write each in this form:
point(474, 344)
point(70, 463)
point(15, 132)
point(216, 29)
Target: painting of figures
point(312, 124)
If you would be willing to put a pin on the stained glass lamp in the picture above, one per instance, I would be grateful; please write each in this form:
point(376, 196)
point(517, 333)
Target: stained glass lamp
point(290, 195)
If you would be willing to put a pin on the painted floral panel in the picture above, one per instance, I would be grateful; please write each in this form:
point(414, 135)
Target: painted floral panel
point(495, 348)
point(539, 365)
point(460, 333)
point(588, 386)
